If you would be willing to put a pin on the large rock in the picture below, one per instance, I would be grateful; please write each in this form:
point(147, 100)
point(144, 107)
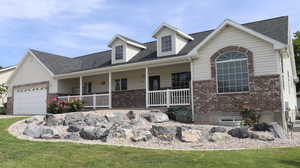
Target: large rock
point(115, 117)
point(187, 134)
point(94, 133)
point(262, 137)
point(51, 120)
point(277, 130)
point(119, 131)
point(34, 119)
point(33, 131)
point(94, 120)
point(165, 133)
point(262, 127)
point(239, 132)
point(74, 128)
point(218, 137)
point(49, 133)
point(141, 135)
point(217, 129)
point(156, 117)
point(74, 119)
point(131, 115)
point(72, 136)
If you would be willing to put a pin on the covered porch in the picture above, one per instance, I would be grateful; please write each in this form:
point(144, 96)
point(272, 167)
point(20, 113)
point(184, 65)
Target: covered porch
point(151, 86)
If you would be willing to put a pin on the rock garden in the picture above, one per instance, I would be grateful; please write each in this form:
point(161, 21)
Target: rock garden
point(151, 129)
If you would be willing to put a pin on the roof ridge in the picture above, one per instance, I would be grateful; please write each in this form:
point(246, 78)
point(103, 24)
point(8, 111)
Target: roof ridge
point(48, 53)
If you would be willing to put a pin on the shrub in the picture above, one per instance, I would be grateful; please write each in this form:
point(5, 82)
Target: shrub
point(250, 118)
point(2, 111)
point(57, 106)
point(180, 114)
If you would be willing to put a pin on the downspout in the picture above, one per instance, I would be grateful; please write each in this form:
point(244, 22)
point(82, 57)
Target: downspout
point(192, 88)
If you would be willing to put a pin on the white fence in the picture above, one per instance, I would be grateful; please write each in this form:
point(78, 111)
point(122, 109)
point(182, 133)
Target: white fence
point(90, 101)
point(174, 97)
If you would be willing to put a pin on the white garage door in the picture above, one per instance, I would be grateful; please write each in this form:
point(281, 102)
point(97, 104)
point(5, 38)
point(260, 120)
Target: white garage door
point(30, 101)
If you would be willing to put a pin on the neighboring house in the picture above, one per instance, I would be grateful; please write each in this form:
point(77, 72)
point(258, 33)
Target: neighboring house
point(215, 72)
point(5, 73)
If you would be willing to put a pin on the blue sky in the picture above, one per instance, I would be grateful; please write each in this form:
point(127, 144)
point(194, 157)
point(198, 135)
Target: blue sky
point(78, 27)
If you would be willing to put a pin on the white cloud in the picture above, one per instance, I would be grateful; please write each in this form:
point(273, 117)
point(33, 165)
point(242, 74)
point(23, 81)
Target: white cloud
point(45, 9)
point(102, 31)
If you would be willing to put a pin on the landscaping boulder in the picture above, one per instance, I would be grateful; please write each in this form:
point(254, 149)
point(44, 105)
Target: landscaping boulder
point(119, 131)
point(277, 130)
point(51, 120)
point(165, 133)
point(72, 136)
point(33, 131)
point(88, 133)
point(49, 133)
point(117, 117)
point(239, 132)
point(217, 129)
point(94, 120)
point(34, 119)
point(262, 127)
point(74, 119)
point(187, 134)
point(74, 128)
point(131, 115)
point(218, 137)
point(262, 137)
point(156, 117)
point(141, 135)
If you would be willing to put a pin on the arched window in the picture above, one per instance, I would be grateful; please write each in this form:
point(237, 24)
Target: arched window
point(232, 72)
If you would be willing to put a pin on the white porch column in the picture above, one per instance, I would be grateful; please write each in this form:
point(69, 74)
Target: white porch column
point(192, 89)
point(109, 91)
point(80, 86)
point(147, 85)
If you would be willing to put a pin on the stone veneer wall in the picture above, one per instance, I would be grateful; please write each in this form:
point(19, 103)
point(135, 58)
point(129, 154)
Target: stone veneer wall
point(264, 95)
point(9, 106)
point(129, 99)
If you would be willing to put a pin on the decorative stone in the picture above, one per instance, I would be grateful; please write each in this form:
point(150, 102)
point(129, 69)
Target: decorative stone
point(74, 119)
point(88, 133)
point(187, 134)
point(72, 136)
point(119, 132)
point(261, 137)
point(165, 133)
point(113, 118)
point(218, 137)
point(51, 120)
point(277, 131)
point(239, 132)
point(217, 129)
point(157, 117)
point(73, 128)
point(33, 131)
point(131, 115)
point(262, 127)
point(34, 119)
point(141, 135)
point(94, 120)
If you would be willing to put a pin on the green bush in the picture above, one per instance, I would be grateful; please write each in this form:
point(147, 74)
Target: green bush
point(250, 118)
point(180, 114)
point(2, 111)
point(57, 106)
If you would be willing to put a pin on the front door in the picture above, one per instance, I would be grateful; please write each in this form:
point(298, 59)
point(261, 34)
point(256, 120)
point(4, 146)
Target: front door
point(154, 82)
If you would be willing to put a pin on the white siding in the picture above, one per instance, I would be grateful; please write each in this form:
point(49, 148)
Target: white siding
point(266, 62)
point(129, 51)
point(180, 43)
point(162, 33)
point(32, 72)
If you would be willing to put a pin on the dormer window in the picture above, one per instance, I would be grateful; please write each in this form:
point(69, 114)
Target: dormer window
point(166, 43)
point(119, 52)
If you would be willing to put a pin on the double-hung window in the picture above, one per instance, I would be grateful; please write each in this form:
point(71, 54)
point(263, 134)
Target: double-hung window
point(232, 72)
point(119, 52)
point(181, 80)
point(166, 43)
point(121, 84)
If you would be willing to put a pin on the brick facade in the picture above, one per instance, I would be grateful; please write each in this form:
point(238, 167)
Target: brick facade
point(129, 99)
point(264, 95)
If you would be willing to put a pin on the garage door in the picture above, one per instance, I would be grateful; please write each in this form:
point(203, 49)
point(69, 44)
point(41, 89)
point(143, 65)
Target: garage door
point(30, 101)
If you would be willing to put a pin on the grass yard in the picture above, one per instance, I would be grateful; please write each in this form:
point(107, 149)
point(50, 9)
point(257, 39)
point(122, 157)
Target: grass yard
point(25, 154)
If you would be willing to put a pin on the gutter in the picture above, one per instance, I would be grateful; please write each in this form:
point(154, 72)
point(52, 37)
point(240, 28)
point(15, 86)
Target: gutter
point(131, 66)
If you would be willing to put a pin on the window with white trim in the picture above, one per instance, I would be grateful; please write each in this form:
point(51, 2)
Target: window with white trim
point(166, 43)
point(119, 52)
point(121, 84)
point(232, 72)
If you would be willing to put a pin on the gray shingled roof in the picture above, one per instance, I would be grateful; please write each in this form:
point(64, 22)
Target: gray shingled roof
point(276, 28)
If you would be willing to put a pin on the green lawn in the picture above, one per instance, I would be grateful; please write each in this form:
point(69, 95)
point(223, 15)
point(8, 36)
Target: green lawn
point(25, 154)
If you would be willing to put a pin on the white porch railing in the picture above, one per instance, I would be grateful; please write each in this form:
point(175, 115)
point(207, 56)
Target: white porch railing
point(169, 97)
point(90, 101)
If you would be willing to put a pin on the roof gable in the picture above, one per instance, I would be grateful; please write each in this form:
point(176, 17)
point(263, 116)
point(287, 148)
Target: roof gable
point(177, 31)
point(126, 40)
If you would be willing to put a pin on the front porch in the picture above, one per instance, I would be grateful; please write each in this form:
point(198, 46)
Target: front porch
point(163, 86)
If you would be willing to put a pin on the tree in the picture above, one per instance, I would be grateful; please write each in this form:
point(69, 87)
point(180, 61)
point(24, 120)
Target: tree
point(296, 44)
point(3, 91)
